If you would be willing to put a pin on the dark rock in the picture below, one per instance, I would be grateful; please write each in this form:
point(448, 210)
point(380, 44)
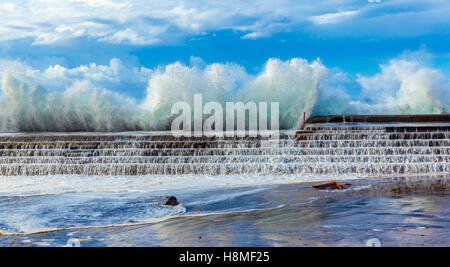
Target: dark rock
point(332, 185)
point(172, 201)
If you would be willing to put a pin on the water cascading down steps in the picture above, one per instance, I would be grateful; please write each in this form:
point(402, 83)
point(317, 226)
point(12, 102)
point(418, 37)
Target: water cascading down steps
point(318, 149)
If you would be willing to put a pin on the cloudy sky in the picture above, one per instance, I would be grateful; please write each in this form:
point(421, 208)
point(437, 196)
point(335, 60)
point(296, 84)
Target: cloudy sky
point(355, 35)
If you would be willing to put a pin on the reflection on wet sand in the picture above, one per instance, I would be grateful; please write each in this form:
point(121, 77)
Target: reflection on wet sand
point(300, 216)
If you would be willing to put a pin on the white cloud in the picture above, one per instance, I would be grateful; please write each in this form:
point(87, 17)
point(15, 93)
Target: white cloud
point(255, 35)
point(57, 77)
point(130, 36)
point(333, 17)
point(142, 22)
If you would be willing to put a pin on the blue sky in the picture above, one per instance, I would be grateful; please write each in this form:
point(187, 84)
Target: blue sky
point(352, 35)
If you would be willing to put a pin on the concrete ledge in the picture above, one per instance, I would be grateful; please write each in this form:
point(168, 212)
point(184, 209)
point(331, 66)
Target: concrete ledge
point(419, 118)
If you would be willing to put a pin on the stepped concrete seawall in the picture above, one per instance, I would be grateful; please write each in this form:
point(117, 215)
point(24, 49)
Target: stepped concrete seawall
point(361, 146)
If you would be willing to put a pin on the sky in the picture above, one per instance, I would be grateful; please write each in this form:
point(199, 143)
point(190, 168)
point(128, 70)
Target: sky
point(353, 35)
point(351, 56)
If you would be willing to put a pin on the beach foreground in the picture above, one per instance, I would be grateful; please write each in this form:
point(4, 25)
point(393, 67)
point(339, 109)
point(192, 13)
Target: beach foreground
point(393, 211)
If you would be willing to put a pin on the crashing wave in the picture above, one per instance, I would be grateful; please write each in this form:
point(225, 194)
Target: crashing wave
point(62, 99)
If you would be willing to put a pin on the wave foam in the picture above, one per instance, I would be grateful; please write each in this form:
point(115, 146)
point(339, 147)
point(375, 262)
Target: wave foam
point(61, 99)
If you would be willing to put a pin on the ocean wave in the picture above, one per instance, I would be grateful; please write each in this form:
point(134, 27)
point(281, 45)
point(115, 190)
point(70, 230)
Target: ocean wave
point(61, 99)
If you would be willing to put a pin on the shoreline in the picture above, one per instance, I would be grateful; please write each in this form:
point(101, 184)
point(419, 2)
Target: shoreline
point(307, 220)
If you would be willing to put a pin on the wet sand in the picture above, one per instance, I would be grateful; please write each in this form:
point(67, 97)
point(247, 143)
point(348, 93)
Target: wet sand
point(395, 211)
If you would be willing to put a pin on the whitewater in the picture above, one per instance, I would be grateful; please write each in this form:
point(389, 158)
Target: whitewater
point(96, 97)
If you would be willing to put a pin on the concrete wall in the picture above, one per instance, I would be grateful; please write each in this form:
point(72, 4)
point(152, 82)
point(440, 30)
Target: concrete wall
point(422, 118)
